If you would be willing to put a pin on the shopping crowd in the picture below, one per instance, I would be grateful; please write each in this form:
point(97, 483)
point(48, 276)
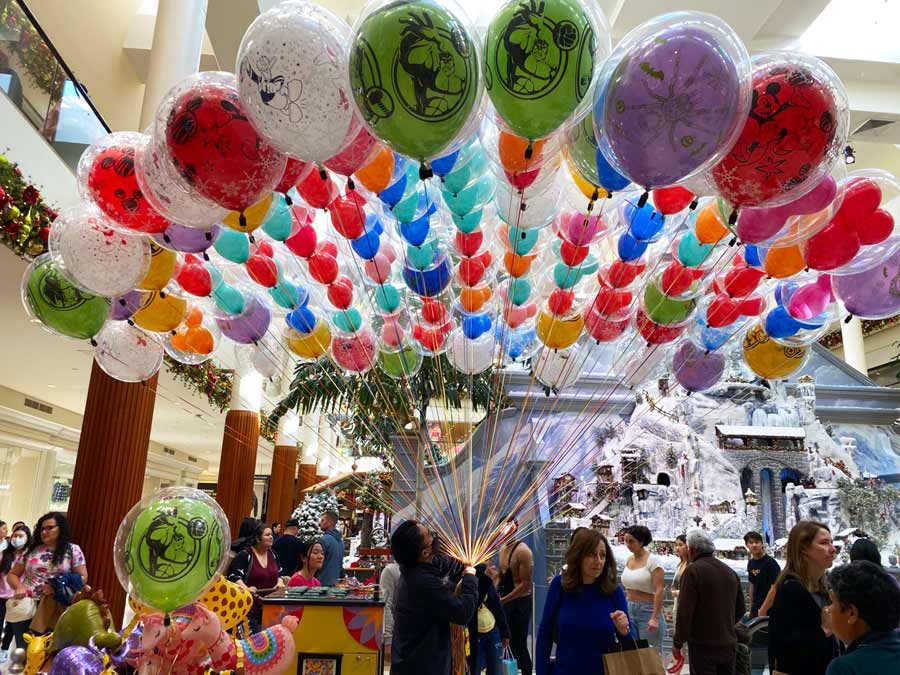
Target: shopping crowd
point(822, 619)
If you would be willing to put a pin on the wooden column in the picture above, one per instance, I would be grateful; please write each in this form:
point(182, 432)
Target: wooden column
point(306, 477)
point(237, 466)
point(109, 473)
point(281, 485)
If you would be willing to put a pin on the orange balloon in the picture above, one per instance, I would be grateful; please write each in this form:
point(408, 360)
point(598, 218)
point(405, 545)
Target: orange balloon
point(709, 228)
point(194, 317)
point(200, 340)
point(517, 265)
point(179, 342)
point(512, 152)
point(376, 175)
point(782, 263)
point(472, 299)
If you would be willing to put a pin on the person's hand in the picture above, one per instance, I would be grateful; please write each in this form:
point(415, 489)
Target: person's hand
point(505, 643)
point(252, 589)
point(653, 624)
point(46, 589)
point(20, 593)
point(826, 621)
point(469, 570)
point(620, 621)
point(280, 583)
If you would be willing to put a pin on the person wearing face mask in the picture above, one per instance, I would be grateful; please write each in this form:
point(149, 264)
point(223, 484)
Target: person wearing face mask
point(801, 639)
point(17, 542)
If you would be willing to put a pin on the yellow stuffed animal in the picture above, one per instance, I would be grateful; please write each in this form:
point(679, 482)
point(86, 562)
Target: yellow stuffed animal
point(36, 652)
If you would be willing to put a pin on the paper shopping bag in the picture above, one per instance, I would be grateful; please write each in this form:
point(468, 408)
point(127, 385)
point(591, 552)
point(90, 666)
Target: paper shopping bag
point(508, 664)
point(644, 661)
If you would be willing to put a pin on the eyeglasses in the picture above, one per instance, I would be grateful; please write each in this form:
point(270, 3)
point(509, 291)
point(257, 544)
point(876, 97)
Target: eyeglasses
point(49, 528)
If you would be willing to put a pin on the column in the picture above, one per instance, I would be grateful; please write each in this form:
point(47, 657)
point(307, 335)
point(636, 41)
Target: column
point(309, 442)
point(109, 472)
point(854, 346)
point(177, 42)
point(284, 467)
point(43, 484)
point(237, 463)
point(327, 446)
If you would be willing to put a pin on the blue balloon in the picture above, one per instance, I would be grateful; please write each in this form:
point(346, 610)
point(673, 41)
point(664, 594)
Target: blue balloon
point(783, 292)
point(366, 245)
point(430, 282)
point(416, 231)
point(780, 324)
point(515, 341)
point(645, 223)
point(393, 193)
point(302, 320)
point(444, 165)
point(753, 255)
point(630, 248)
point(610, 179)
point(476, 325)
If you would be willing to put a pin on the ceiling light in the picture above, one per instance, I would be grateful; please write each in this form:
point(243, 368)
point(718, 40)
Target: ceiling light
point(849, 155)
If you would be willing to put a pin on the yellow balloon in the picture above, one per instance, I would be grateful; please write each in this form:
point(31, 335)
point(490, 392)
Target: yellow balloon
point(162, 266)
point(160, 312)
point(559, 333)
point(311, 345)
point(253, 216)
point(586, 187)
point(769, 359)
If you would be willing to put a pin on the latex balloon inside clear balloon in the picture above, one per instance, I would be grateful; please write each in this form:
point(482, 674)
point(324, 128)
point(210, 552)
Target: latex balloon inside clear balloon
point(126, 353)
point(196, 340)
point(874, 293)
point(696, 368)
point(471, 356)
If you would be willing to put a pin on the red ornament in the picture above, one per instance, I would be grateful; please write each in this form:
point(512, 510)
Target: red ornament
point(113, 186)
point(347, 218)
point(45, 234)
point(303, 242)
point(30, 195)
point(468, 244)
point(791, 126)
point(672, 199)
point(471, 271)
point(263, 270)
point(317, 191)
point(323, 267)
point(294, 171)
point(571, 254)
point(218, 151)
point(560, 301)
point(340, 293)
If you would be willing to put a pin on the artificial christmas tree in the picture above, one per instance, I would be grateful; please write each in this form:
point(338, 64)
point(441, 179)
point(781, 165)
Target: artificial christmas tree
point(310, 511)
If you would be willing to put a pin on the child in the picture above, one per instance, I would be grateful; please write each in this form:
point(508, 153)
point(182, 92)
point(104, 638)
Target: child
point(742, 657)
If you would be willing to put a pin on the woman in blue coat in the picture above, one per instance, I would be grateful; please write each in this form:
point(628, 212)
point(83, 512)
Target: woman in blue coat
point(585, 613)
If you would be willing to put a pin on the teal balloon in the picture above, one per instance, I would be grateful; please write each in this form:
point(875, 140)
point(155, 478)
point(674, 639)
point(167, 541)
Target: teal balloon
point(232, 245)
point(228, 299)
point(420, 257)
point(387, 297)
point(457, 179)
point(566, 277)
point(279, 222)
point(406, 209)
point(414, 75)
point(285, 294)
point(519, 291)
point(475, 196)
point(348, 320)
point(691, 252)
point(469, 222)
point(522, 241)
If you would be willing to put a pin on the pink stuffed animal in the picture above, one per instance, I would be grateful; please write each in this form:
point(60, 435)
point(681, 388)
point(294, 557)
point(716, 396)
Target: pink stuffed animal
point(270, 652)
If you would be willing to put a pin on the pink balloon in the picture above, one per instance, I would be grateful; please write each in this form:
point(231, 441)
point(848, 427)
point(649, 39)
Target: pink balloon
point(387, 251)
point(378, 269)
point(811, 300)
point(581, 230)
point(757, 225)
point(392, 332)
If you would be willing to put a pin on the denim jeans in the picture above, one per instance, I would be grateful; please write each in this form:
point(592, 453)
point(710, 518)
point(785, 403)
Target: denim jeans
point(489, 652)
point(640, 613)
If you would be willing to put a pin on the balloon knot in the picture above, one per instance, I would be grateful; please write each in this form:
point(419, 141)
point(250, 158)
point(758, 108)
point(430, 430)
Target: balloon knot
point(130, 322)
point(94, 342)
point(643, 200)
point(694, 204)
point(733, 241)
point(529, 150)
point(322, 174)
point(206, 256)
point(122, 302)
point(425, 171)
point(590, 206)
point(288, 200)
point(242, 220)
point(848, 319)
point(596, 195)
point(523, 207)
point(524, 235)
point(162, 295)
point(351, 186)
point(167, 239)
point(706, 352)
point(208, 235)
point(732, 219)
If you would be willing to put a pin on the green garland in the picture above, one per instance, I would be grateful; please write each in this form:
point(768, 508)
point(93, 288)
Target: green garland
point(835, 339)
point(30, 49)
point(24, 217)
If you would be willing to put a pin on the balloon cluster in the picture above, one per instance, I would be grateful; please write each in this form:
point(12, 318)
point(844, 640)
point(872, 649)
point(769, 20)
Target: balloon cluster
point(406, 188)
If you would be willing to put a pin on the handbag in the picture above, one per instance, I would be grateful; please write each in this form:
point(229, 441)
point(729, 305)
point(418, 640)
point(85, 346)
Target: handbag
point(508, 665)
point(635, 660)
point(46, 615)
point(20, 609)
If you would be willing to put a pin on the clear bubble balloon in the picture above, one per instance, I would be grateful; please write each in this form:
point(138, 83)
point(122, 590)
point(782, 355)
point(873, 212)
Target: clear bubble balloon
point(126, 353)
point(196, 340)
point(695, 368)
point(470, 356)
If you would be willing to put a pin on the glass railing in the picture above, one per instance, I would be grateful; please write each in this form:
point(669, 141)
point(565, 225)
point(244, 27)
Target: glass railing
point(40, 84)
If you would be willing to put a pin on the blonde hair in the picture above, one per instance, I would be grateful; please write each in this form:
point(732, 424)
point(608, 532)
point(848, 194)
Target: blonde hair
point(796, 565)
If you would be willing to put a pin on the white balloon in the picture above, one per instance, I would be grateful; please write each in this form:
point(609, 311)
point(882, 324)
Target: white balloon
point(471, 356)
point(293, 79)
point(127, 353)
point(559, 368)
point(97, 257)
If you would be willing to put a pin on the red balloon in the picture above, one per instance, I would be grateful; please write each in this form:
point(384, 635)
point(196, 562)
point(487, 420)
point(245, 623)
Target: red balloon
point(263, 270)
point(263, 248)
point(303, 242)
point(861, 197)
point(194, 278)
point(741, 280)
point(471, 271)
point(114, 187)
point(602, 328)
point(378, 269)
point(571, 254)
point(329, 247)
point(621, 274)
point(356, 198)
point(609, 302)
point(485, 258)
point(676, 278)
point(294, 171)
point(654, 333)
point(560, 301)
point(323, 267)
point(434, 312)
point(340, 293)
point(875, 228)
point(722, 311)
point(347, 217)
point(522, 179)
point(218, 151)
point(430, 338)
point(792, 122)
point(831, 247)
point(672, 199)
point(316, 191)
point(355, 154)
point(468, 244)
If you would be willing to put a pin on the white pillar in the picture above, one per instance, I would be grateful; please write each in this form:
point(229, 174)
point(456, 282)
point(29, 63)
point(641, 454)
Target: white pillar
point(854, 347)
point(309, 438)
point(175, 54)
point(43, 484)
point(246, 391)
point(289, 429)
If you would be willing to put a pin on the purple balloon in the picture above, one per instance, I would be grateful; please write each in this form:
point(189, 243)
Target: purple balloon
point(250, 325)
point(696, 370)
point(669, 105)
point(131, 647)
point(77, 661)
point(875, 293)
point(186, 239)
point(124, 306)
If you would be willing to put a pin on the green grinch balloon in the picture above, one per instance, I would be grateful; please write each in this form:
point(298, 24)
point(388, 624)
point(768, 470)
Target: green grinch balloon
point(539, 63)
point(171, 546)
point(62, 308)
point(414, 75)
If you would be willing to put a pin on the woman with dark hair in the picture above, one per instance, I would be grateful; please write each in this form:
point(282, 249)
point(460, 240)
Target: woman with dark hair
point(425, 603)
point(257, 568)
point(313, 558)
point(21, 535)
point(684, 559)
point(865, 549)
point(800, 634)
point(585, 611)
point(644, 582)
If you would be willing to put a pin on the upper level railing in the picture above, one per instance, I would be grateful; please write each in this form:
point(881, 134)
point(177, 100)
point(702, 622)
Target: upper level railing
point(37, 80)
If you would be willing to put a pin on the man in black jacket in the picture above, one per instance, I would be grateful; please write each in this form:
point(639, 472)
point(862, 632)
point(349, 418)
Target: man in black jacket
point(709, 604)
point(425, 603)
